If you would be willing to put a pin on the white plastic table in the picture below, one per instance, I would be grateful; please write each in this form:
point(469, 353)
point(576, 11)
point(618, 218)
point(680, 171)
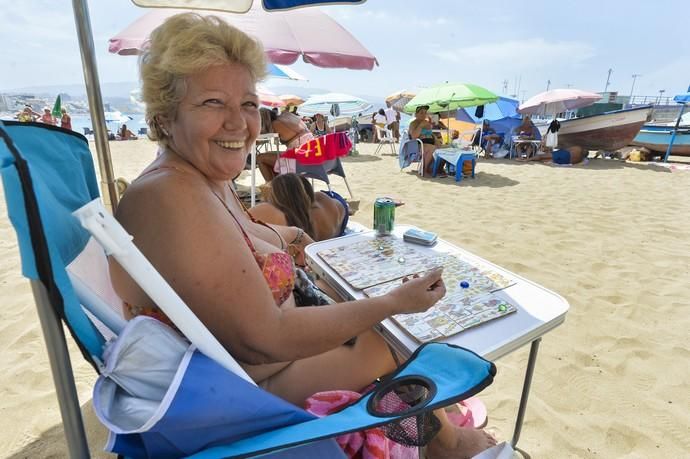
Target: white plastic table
point(539, 311)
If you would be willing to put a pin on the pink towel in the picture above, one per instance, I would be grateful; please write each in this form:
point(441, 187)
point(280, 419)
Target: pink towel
point(366, 444)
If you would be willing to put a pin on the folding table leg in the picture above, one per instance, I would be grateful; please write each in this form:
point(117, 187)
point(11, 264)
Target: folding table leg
point(531, 363)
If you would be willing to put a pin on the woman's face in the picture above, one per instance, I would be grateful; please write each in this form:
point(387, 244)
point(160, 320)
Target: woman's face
point(217, 121)
point(420, 114)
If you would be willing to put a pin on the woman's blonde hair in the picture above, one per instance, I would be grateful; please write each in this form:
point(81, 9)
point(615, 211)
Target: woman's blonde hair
point(185, 44)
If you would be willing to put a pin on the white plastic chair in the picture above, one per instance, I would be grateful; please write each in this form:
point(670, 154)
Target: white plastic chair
point(385, 138)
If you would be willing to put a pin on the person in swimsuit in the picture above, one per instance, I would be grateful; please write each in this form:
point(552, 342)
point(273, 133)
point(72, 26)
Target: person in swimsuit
point(47, 117)
point(291, 201)
point(573, 155)
point(320, 126)
point(420, 128)
point(199, 78)
point(292, 132)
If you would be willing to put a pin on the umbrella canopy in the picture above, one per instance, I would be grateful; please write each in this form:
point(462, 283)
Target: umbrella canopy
point(291, 99)
point(269, 98)
point(57, 107)
point(335, 104)
point(281, 71)
point(399, 99)
point(557, 101)
point(504, 107)
point(286, 36)
point(450, 96)
point(236, 6)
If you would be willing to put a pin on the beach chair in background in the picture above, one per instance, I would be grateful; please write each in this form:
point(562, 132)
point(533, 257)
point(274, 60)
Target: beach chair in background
point(322, 171)
point(411, 151)
point(178, 397)
point(385, 137)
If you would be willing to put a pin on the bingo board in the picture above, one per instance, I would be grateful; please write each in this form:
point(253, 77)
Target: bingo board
point(377, 266)
point(449, 317)
point(377, 261)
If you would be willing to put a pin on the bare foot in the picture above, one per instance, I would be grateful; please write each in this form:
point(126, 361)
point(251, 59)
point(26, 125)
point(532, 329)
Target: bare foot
point(467, 443)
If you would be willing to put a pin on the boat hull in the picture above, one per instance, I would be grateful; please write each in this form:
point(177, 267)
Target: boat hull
point(607, 131)
point(656, 138)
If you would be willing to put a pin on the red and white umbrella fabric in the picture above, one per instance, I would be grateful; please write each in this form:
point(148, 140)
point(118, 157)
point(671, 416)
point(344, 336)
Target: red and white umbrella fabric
point(285, 35)
point(269, 98)
point(557, 101)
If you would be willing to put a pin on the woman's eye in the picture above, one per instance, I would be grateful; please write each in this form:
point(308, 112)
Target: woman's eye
point(251, 104)
point(213, 102)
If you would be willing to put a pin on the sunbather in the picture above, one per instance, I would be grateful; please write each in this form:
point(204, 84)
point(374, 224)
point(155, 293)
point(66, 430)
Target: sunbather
point(573, 155)
point(420, 128)
point(490, 139)
point(199, 79)
point(526, 131)
point(291, 201)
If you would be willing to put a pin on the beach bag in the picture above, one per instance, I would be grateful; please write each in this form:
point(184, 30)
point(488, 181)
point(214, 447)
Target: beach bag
point(551, 140)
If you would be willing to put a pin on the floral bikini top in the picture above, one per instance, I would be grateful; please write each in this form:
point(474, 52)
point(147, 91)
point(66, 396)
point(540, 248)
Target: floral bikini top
point(276, 267)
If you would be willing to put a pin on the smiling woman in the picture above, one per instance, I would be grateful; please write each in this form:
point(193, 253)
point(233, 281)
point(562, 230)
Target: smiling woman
point(235, 273)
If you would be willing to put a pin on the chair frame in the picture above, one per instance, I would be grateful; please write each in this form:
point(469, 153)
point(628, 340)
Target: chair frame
point(385, 136)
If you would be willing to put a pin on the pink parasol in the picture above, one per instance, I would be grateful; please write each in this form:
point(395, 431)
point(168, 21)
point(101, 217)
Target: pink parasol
point(285, 35)
point(557, 101)
point(269, 98)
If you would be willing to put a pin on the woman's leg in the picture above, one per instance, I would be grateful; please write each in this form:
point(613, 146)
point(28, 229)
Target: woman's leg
point(428, 157)
point(355, 367)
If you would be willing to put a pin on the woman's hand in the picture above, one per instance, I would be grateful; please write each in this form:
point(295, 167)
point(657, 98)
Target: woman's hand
point(297, 246)
point(418, 293)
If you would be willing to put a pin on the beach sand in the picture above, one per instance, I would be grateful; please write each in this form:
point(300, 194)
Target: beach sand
point(611, 237)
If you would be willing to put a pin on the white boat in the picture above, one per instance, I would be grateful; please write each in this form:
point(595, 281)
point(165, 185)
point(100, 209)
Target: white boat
point(606, 131)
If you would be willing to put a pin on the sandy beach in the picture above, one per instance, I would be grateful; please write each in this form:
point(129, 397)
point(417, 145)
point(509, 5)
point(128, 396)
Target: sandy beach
point(609, 236)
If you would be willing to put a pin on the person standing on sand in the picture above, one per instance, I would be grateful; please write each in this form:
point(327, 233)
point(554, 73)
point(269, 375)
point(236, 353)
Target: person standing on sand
point(66, 120)
point(47, 117)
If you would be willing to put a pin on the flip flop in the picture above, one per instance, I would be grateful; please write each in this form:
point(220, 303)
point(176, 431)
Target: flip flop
point(470, 412)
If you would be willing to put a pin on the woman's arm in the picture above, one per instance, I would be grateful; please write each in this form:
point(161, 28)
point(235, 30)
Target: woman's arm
point(415, 129)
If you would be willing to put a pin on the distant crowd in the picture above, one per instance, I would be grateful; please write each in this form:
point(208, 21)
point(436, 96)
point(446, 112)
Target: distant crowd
point(28, 115)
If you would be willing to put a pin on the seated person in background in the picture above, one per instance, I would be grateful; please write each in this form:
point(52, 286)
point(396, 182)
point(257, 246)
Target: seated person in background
point(125, 134)
point(319, 127)
point(378, 119)
point(28, 115)
point(291, 201)
point(420, 128)
point(292, 132)
point(573, 155)
point(47, 117)
point(489, 139)
point(236, 274)
point(526, 131)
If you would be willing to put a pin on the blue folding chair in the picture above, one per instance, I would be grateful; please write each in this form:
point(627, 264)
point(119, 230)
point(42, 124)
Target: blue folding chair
point(208, 411)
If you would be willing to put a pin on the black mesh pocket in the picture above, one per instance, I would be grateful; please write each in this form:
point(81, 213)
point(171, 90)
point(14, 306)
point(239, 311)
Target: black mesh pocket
point(402, 396)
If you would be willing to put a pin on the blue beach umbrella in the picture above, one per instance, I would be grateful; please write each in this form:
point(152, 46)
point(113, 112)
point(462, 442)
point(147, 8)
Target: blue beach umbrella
point(504, 107)
point(683, 99)
point(238, 6)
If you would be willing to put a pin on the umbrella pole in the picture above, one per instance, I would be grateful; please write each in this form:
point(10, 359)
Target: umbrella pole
point(673, 135)
point(93, 91)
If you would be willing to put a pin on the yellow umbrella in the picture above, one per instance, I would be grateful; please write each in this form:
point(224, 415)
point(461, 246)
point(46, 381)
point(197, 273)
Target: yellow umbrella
point(291, 99)
point(399, 99)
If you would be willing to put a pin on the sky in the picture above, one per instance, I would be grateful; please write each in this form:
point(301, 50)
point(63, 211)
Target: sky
point(508, 46)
